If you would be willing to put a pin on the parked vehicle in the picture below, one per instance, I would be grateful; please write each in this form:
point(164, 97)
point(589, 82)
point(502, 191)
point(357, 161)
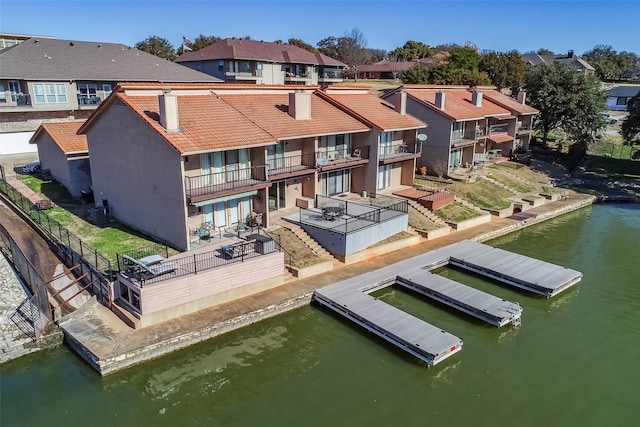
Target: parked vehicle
point(31, 167)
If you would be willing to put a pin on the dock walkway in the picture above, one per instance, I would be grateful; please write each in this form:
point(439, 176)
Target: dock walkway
point(428, 342)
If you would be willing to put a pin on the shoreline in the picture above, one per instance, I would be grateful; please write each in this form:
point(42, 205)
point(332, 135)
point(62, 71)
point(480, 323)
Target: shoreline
point(109, 346)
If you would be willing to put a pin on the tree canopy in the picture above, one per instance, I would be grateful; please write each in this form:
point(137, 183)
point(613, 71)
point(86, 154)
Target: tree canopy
point(609, 64)
point(303, 45)
point(567, 100)
point(459, 68)
point(504, 69)
point(412, 51)
point(351, 49)
point(157, 46)
point(630, 128)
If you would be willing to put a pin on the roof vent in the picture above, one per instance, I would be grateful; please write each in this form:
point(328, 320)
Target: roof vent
point(70, 43)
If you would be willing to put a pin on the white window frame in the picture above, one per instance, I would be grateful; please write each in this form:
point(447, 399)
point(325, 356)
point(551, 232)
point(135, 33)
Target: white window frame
point(50, 93)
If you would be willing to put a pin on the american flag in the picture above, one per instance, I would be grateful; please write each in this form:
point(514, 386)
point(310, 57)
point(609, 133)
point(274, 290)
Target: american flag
point(186, 40)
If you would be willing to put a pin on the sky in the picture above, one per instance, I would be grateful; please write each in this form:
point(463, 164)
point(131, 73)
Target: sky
point(559, 26)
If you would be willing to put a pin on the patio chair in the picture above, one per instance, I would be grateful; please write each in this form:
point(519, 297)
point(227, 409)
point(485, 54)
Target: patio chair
point(357, 153)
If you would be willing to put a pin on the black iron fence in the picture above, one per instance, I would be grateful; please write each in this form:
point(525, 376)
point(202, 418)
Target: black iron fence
point(289, 164)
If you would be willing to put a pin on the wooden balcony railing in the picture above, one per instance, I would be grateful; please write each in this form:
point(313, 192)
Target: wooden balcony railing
point(494, 129)
point(227, 182)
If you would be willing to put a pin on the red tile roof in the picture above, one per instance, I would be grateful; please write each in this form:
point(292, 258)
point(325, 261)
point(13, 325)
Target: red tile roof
point(508, 102)
point(375, 111)
point(65, 136)
point(258, 51)
point(457, 104)
point(270, 112)
point(207, 123)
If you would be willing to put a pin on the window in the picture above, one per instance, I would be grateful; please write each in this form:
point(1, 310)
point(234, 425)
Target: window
point(106, 90)
point(384, 176)
point(50, 93)
point(621, 100)
point(221, 65)
point(458, 131)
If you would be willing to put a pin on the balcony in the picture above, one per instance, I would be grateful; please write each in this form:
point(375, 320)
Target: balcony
point(247, 74)
point(332, 159)
point(399, 152)
point(10, 99)
point(203, 187)
point(470, 137)
point(298, 74)
point(331, 75)
point(88, 100)
point(291, 166)
point(496, 129)
point(523, 128)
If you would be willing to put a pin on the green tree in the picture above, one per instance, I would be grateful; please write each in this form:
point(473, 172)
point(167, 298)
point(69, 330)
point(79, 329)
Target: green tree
point(418, 74)
point(504, 69)
point(412, 51)
point(460, 68)
point(303, 45)
point(603, 59)
point(630, 128)
point(157, 46)
point(567, 100)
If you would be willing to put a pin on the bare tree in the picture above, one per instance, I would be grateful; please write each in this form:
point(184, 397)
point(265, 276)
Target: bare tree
point(440, 167)
point(353, 48)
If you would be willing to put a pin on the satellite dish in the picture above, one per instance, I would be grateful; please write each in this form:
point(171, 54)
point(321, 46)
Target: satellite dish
point(422, 137)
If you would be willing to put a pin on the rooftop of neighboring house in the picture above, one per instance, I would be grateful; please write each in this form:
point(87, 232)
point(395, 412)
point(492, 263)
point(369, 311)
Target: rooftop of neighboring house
point(624, 91)
point(515, 106)
point(64, 134)
point(458, 103)
point(205, 121)
point(68, 60)
point(569, 58)
point(255, 50)
point(371, 109)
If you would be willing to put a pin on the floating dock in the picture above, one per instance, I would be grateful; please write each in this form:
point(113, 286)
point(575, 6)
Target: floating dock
point(417, 337)
point(482, 305)
point(512, 269)
point(428, 342)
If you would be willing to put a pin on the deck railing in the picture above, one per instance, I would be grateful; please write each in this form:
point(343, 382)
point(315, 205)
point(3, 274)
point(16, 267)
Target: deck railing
point(289, 164)
point(494, 129)
point(229, 180)
point(399, 150)
point(340, 156)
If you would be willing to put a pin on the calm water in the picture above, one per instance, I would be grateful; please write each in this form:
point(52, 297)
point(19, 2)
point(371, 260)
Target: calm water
point(575, 360)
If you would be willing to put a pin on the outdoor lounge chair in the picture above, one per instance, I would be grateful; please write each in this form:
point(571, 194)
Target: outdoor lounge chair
point(143, 271)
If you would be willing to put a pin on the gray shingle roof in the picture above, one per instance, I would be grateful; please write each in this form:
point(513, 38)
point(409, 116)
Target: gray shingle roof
point(573, 61)
point(258, 51)
point(51, 59)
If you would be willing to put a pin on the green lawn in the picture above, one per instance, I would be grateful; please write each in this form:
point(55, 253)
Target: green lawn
point(108, 239)
point(484, 194)
point(456, 212)
point(511, 182)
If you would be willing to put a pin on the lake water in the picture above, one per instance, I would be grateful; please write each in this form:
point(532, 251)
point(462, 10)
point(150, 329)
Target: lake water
point(575, 360)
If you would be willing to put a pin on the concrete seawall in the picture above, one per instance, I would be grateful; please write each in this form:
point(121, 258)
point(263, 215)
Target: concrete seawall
point(108, 346)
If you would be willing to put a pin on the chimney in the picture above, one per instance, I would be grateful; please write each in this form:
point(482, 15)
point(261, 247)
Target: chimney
point(300, 105)
point(169, 111)
point(476, 98)
point(570, 54)
point(440, 96)
point(522, 97)
point(400, 101)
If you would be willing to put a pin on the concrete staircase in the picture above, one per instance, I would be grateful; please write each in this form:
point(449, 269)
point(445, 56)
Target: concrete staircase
point(306, 239)
point(426, 212)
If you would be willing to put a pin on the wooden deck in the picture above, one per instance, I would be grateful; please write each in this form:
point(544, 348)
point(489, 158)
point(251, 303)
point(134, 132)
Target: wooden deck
point(428, 342)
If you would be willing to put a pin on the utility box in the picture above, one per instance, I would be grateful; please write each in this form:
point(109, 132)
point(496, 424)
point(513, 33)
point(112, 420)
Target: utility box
point(263, 244)
point(99, 216)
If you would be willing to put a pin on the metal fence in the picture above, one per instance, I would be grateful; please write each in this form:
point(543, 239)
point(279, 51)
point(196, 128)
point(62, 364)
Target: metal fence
point(71, 249)
point(34, 313)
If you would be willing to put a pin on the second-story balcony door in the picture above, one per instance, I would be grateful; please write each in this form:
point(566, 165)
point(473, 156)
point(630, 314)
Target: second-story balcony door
point(275, 156)
point(386, 143)
point(14, 88)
